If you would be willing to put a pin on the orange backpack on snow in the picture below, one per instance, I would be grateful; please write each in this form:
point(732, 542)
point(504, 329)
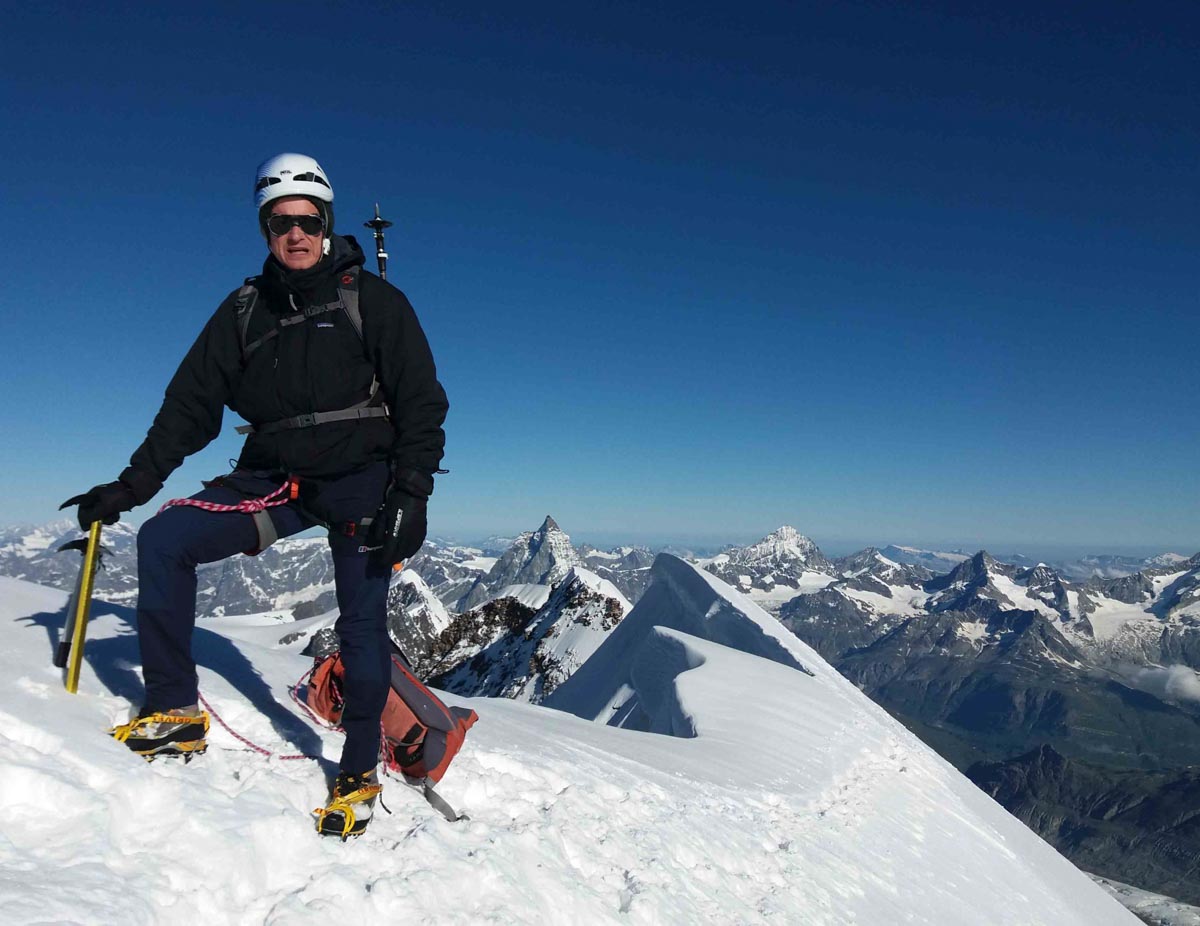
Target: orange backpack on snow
point(421, 735)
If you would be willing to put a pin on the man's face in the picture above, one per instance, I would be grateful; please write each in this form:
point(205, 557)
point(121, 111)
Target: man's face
point(294, 249)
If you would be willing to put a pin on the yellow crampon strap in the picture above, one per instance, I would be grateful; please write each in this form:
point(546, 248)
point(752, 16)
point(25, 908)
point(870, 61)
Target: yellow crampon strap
point(343, 804)
point(123, 731)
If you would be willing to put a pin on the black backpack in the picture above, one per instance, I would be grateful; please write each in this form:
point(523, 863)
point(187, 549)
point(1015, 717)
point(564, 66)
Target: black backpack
point(247, 297)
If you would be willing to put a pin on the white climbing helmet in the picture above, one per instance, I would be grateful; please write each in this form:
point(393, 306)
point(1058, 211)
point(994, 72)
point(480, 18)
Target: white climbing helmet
point(290, 174)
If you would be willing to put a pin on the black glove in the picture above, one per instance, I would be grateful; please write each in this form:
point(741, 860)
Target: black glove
point(107, 502)
point(103, 503)
point(400, 524)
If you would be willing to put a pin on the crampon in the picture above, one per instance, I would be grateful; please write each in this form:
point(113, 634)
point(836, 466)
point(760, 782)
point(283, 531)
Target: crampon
point(350, 807)
point(168, 734)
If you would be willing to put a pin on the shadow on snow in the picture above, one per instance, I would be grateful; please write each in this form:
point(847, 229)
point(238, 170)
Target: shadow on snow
point(114, 661)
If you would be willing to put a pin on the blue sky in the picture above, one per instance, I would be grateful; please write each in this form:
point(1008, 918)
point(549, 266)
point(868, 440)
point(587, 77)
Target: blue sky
point(923, 275)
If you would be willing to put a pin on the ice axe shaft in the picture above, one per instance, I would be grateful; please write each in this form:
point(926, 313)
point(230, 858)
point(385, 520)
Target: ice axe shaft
point(83, 605)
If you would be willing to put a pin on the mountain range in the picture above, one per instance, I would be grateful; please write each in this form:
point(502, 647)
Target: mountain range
point(1014, 673)
point(983, 659)
point(702, 765)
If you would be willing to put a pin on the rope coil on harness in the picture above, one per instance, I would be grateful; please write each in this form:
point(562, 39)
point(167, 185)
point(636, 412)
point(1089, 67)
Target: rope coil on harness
point(281, 496)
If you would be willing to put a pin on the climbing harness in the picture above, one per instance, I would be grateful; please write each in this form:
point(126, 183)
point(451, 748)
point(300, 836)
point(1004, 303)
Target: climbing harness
point(255, 507)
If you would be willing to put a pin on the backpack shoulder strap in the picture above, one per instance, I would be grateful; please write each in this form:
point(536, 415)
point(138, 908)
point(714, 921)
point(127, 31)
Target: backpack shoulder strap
point(247, 299)
point(348, 292)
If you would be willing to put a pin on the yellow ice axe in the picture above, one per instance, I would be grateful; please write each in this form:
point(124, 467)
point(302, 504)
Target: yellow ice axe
point(83, 605)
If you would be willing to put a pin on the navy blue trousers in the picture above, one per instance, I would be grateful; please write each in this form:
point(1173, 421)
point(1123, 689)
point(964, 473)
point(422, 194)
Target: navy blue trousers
point(173, 543)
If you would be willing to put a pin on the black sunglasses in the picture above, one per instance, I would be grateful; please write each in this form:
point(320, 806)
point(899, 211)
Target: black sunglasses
point(279, 225)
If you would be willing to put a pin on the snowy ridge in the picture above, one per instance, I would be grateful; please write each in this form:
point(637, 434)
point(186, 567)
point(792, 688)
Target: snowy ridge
point(814, 807)
point(450, 569)
point(532, 595)
point(424, 598)
point(680, 597)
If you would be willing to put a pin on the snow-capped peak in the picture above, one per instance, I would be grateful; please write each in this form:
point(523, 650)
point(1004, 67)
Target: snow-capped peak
point(1165, 559)
point(542, 557)
point(786, 543)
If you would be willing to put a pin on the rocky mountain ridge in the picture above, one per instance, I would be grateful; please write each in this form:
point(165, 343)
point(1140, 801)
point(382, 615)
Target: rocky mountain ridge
point(997, 655)
point(1136, 826)
point(506, 649)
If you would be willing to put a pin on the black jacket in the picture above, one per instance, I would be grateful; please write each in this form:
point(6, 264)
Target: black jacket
point(318, 365)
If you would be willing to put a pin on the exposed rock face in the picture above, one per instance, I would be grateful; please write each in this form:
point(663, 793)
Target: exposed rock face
point(449, 569)
point(998, 656)
point(966, 583)
point(505, 649)
point(543, 557)
point(289, 574)
point(871, 571)
point(1134, 589)
point(416, 619)
point(1137, 827)
point(628, 568)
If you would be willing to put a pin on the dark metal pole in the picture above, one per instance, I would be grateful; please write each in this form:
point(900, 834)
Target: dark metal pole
point(378, 225)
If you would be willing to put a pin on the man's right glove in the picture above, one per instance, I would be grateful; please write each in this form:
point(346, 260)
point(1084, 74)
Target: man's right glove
point(106, 503)
point(103, 503)
point(400, 524)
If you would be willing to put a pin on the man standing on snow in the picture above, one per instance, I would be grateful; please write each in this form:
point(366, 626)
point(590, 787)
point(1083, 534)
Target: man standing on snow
point(330, 365)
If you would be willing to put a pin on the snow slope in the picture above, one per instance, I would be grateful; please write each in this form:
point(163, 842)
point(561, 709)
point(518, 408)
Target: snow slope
point(802, 804)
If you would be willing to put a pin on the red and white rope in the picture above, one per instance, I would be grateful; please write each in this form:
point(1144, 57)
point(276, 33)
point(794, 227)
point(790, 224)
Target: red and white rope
point(241, 739)
point(280, 496)
point(384, 752)
point(247, 506)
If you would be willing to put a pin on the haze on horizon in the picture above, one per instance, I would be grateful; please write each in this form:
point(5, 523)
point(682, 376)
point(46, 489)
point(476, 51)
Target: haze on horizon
point(714, 542)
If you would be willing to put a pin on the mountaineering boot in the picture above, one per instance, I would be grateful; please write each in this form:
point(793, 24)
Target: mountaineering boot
point(178, 732)
point(351, 805)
